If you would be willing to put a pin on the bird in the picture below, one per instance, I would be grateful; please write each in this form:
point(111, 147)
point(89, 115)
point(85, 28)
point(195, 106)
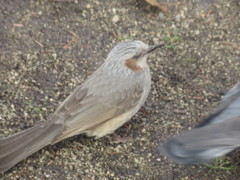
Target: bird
point(216, 136)
point(100, 105)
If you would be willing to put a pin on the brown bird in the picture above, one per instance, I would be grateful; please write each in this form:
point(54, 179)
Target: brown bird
point(217, 135)
point(103, 103)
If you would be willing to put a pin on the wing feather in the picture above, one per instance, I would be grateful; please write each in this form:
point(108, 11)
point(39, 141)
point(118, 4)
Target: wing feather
point(86, 108)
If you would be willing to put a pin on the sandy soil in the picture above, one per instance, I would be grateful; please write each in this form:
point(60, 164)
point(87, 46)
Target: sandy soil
point(47, 48)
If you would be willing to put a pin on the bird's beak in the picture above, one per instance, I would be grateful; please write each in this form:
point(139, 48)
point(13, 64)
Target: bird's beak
point(152, 48)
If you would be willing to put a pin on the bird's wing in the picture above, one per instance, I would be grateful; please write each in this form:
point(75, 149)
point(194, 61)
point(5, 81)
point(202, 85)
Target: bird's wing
point(229, 107)
point(216, 136)
point(205, 143)
point(98, 100)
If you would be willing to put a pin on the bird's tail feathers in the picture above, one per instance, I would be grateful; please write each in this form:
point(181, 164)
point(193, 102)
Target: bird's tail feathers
point(17, 147)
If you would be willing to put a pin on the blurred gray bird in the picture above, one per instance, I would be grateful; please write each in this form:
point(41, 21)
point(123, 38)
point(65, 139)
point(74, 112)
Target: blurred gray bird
point(103, 103)
point(216, 136)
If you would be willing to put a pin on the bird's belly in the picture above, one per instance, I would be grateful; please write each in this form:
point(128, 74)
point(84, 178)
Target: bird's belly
point(109, 126)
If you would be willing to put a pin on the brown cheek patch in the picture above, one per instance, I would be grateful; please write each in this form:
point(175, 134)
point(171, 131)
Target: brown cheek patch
point(131, 64)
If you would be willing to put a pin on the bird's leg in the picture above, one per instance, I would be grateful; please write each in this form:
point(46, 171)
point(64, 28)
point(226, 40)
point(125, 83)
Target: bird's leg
point(119, 139)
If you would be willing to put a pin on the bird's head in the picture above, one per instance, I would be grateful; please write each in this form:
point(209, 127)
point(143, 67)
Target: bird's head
point(132, 53)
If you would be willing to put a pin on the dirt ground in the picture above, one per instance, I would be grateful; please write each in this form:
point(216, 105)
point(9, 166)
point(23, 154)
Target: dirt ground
point(49, 47)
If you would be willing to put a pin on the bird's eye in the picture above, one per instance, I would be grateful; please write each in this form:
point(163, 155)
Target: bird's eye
point(137, 56)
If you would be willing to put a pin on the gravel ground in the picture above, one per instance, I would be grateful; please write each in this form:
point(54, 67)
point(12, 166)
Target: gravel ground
point(47, 48)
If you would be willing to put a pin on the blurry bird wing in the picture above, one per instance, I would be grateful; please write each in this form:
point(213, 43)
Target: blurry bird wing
point(232, 93)
point(216, 136)
point(205, 143)
point(225, 133)
point(229, 107)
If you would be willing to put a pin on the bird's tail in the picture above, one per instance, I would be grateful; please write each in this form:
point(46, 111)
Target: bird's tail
point(203, 144)
point(17, 147)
